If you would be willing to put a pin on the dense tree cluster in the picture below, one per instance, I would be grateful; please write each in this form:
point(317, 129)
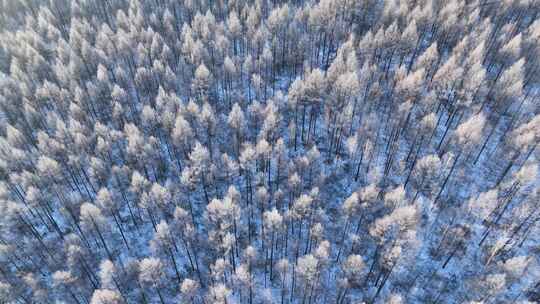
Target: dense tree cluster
point(267, 151)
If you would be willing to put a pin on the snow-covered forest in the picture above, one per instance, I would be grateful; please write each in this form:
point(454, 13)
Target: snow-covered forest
point(268, 151)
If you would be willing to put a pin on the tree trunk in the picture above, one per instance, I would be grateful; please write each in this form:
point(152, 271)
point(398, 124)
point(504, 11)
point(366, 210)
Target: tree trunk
point(447, 178)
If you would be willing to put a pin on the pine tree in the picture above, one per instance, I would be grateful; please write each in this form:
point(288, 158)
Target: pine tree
point(151, 273)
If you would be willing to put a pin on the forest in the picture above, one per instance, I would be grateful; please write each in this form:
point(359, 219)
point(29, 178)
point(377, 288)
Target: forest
point(269, 151)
